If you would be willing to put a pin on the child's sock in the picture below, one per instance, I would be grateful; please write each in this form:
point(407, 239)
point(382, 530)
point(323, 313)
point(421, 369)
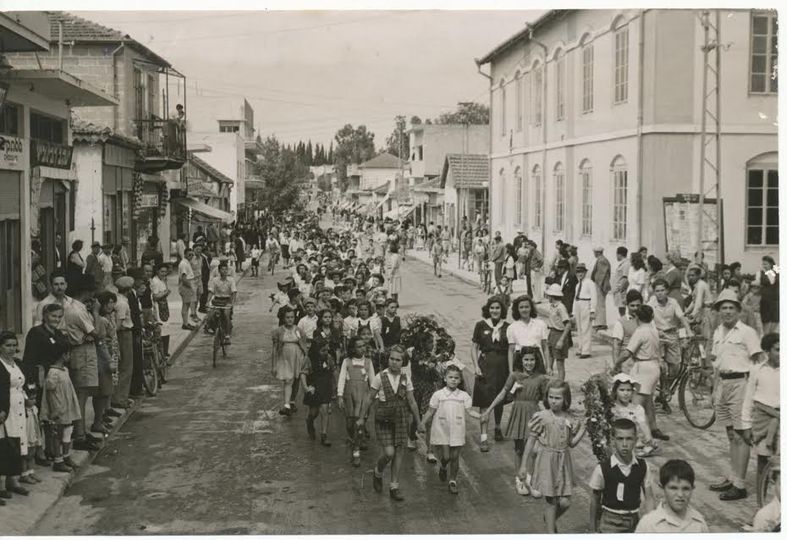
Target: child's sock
point(483, 437)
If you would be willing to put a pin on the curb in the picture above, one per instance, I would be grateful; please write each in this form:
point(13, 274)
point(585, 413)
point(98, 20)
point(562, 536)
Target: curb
point(84, 458)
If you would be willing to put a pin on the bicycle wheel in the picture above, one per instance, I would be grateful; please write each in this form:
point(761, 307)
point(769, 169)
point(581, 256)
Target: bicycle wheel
point(218, 337)
point(163, 369)
point(766, 486)
point(695, 393)
point(149, 372)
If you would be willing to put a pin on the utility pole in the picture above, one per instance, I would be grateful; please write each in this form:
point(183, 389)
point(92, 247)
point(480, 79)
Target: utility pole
point(711, 111)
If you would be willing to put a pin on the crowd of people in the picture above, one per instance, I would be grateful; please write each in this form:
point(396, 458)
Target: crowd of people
point(563, 304)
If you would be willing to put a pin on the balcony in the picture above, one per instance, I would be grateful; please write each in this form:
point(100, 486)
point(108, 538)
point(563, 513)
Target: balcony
point(164, 145)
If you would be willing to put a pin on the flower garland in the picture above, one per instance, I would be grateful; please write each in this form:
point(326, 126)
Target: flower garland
point(428, 343)
point(138, 187)
point(598, 411)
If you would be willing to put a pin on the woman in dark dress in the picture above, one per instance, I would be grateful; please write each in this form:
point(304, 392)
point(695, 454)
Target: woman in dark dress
point(490, 358)
point(75, 265)
point(768, 279)
point(317, 375)
point(391, 324)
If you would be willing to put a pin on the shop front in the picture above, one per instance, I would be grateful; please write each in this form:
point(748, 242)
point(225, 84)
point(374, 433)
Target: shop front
point(13, 152)
point(151, 199)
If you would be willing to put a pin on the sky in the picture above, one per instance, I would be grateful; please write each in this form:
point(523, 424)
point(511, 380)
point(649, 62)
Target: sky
point(307, 73)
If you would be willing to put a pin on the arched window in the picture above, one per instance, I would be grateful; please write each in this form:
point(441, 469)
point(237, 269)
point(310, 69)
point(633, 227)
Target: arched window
point(538, 188)
point(762, 200)
point(559, 177)
point(622, 64)
point(586, 180)
point(537, 93)
point(560, 85)
point(502, 195)
point(620, 189)
point(520, 195)
point(502, 107)
point(518, 99)
point(587, 74)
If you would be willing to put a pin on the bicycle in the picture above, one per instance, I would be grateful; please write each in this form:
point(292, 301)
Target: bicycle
point(220, 333)
point(150, 361)
point(771, 475)
point(694, 384)
point(273, 259)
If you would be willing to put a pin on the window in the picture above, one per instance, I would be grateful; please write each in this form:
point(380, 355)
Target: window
point(518, 102)
point(762, 206)
point(560, 86)
point(538, 211)
point(622, 65)
point(519, 196)
point(538, 88)
point(9, 119)
point(502, 195)
point(585, 176)
point(140, 93)
point(620, 184)
point(763, 77)
point(587, 78)
point(47, 128)
point(560, 197)
point(502, 108)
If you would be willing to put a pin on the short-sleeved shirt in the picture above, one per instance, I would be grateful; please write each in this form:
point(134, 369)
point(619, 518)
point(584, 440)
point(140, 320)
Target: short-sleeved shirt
point(527, 335)
point(557, 316)
point(377, 382)
point(222, 288)
point(620, 327)
point(667, 316)
point(484, 337)
point(734, 348)
point(184, 267)
point(78, 322)
point(661, 520)
point(644, 343)
point(123, 313)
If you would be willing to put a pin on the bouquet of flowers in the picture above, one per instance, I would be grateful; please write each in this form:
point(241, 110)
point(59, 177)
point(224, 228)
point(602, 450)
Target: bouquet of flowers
point(428, 343)
point(598, 412)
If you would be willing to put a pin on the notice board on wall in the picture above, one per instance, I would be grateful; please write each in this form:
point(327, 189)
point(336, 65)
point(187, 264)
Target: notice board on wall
point(681, 223)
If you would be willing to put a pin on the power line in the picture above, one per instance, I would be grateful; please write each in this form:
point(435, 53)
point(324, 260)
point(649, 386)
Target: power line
point(155, 18)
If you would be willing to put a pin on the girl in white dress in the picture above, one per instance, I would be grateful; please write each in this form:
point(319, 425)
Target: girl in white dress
point(448, 406)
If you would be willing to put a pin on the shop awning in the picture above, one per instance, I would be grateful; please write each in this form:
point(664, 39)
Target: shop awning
point(399, 213)
point(202, 208)
point(382, 202)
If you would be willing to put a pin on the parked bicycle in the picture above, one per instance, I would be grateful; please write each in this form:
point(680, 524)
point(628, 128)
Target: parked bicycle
point(771, 476)
point(154, 369)
point(694, 385)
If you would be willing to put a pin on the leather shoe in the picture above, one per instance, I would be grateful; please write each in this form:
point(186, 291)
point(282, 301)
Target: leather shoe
point(377, 482)
point(43, 462)
point(70, 462)
point(657, 434)
point(498, 435)
point(6, 495)
point(733, 494)
point(724, 485)
point(485, 446)
point(453, 488)
point(60, 466)
point(19, 490)
point(93, 439)
point(83, 444)
point(99, 429)
point(395, 495)
point(113, 412)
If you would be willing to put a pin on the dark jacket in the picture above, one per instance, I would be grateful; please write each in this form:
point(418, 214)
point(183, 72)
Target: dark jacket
point(5, 388)
point(42, 348)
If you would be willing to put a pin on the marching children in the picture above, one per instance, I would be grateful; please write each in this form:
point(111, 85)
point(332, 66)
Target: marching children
point(317, 380)
point(556, 432)
point(256, 254)
point(619, 483)
point(59, 409)
point(448, 429)
point(760, 416)
point(674, 514)
point(353, 393)
point(392, 390)
point(526, 384)
point(559, 323)
point(623, 388)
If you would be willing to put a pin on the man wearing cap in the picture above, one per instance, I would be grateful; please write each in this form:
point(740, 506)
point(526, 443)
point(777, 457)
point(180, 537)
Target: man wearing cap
point(601, 276)
point(735, 350)
point(93, 266)
point(584, 310)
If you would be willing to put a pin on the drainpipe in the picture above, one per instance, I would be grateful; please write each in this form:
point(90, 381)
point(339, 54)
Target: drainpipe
point(544, 150)
point(489, 161)
point(640, 120)
point(60, 45)
point(115, 88)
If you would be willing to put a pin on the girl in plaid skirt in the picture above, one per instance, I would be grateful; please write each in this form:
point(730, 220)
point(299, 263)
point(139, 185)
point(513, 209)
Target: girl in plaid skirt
point(392, 390)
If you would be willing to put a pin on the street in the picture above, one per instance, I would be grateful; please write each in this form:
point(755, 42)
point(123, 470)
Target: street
point(211, 455)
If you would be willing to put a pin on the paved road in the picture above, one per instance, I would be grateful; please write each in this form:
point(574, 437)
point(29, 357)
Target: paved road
point(211, 455)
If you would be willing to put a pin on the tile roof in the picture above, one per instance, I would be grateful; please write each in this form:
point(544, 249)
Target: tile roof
point(382, 161)
point(81, 30)
point(430, 186)
point(469, 170)
point(90, 133)
point(210, 170)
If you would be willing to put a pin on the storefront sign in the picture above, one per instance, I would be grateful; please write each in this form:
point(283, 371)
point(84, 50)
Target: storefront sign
point(11, 152)
point(50, 154)
point(200, 188)
point(148, 200)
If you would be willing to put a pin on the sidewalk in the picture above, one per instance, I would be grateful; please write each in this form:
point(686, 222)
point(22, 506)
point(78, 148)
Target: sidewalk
point(21, 513)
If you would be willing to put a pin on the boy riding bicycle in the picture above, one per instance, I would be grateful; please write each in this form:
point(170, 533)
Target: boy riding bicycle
point(222, 292)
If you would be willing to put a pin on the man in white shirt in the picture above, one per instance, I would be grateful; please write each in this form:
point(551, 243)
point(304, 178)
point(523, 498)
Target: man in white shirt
point(187, 287)
point(620, 281)
point(584, 310)
point(105, 262)
point(58, 296)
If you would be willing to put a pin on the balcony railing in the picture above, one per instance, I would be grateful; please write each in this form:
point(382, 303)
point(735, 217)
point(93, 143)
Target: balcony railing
point(164, 143)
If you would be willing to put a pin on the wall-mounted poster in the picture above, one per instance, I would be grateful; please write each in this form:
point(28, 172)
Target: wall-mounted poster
point(681, 223)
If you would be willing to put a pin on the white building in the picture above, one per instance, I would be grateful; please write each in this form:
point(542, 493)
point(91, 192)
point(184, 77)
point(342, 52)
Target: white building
point(595, 118)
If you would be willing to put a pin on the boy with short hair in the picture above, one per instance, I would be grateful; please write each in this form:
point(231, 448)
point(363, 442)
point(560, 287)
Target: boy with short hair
point(674, 514)
point(619, 483)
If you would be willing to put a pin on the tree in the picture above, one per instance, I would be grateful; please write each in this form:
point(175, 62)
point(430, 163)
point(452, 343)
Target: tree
point(353, 145)
point(330, 153)
point(415, 121)
point(465, 113)
point(309, 154)
point(397, 143)
point(281, 171)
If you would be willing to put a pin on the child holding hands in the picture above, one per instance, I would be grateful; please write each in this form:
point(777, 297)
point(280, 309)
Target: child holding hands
point(448, 406)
